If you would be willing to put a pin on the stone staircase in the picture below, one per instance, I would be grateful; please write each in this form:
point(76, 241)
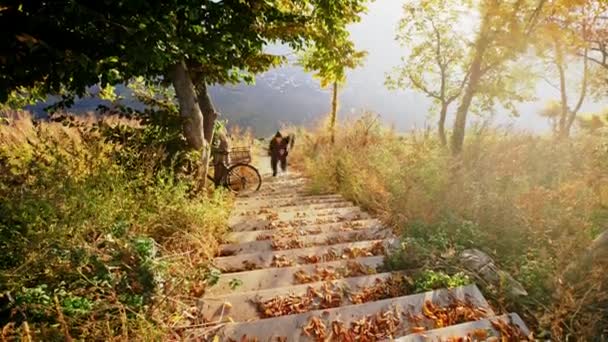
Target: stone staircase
point(300, 267)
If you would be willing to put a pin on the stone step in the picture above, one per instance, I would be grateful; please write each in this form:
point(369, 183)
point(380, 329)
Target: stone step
point(240, 224)
point(256, 204)
point(478, 331)
point(282, 190)
point(243, 306)
point(300, 213)
point(292, 327)
point(301, 256)
point(279, 277)
point(247, 236)
point(329, 238)
point(293, 207)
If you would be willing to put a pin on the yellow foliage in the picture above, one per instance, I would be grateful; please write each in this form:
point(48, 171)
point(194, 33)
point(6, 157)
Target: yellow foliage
point(537, 203)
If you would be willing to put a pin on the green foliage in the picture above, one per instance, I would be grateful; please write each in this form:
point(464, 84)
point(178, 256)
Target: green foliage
point(106, 220)
point(331, 51)
point(436, 64)
point(235, 283)
point(223, 41)
point(213, 276)
point(410, 255)
point(430, 280)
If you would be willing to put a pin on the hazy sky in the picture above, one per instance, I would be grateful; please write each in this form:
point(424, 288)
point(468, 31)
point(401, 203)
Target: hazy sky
point(298, 92)
point(376, 34)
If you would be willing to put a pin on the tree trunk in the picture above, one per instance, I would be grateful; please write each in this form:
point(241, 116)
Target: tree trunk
point(564, 101)
point(188, 106)
point(460, 122)
point(441, 126)
point(579, 104)
point(207, 108)
point(334, 112)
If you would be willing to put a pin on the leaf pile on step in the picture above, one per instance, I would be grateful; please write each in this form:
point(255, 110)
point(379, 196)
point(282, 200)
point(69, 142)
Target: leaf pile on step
point(247, 265)
point(285, 305)
point(277, 225)
point(281, 261)
point(283, 244)
point(510, 331)
point(356, 269)
point(456, 312)
point(393, 287)
point(353, 224)
point(326, 220)
point(383, 325)
point(328, 296)
point(272, 217)
point(331, 255)
point(352, 269)
point(356, 252)
point(315, 329)
point(319, 274)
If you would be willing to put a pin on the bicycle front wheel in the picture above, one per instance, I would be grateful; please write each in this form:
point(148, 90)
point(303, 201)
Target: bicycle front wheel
point(243, 178)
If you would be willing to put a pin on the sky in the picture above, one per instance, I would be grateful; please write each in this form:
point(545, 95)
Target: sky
point(405, 109)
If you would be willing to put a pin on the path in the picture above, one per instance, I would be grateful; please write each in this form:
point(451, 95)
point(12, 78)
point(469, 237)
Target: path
point(298, 267)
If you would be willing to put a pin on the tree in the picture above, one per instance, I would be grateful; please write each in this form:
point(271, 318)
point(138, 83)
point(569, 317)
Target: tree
point(569, 46)
point(552, 112)
point(332, 53)
point(436, 64)
point(503, 34)
point(597, 34)
point(190, 43)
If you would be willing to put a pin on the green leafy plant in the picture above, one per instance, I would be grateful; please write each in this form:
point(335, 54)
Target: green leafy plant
point(212, 276)
point(235, 283)
point(432, 280)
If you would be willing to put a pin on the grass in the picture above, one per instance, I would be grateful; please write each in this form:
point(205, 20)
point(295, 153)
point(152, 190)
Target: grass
point(103, 236)
point(534, 204)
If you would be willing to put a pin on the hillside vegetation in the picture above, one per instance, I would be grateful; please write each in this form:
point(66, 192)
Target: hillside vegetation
point(533, 203)
point(103, 234)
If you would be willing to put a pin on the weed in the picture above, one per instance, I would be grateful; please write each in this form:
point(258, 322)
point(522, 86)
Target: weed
point(432, 280)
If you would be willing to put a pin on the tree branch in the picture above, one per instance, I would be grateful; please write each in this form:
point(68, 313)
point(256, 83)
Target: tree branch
point(439, 61)
point(579, 104)
point(603, 62)
point(423, 88)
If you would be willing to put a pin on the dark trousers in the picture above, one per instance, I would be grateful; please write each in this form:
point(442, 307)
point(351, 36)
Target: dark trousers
point(275, 160)
point(220, 171)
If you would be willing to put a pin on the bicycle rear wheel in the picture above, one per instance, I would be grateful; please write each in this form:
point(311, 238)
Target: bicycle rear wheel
point(243, 178)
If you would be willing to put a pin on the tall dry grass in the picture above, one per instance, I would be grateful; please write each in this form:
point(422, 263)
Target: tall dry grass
point(532, 203)
point(98, 240)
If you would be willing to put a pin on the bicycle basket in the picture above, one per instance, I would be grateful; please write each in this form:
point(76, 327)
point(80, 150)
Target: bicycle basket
point(240, 155)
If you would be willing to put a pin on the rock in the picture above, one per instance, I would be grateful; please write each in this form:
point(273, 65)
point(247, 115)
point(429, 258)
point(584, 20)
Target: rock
point(595, 253)
point(483, 265)
point(475, 259)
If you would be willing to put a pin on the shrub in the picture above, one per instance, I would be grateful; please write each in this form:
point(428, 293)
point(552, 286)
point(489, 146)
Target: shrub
point(430, 280)
point(96, 231)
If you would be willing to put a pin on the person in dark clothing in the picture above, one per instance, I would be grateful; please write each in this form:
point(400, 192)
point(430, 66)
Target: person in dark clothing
point(278, 151)
point(221, 156)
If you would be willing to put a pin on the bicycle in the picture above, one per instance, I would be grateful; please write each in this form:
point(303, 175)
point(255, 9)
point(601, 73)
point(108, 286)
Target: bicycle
point(241, 177)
